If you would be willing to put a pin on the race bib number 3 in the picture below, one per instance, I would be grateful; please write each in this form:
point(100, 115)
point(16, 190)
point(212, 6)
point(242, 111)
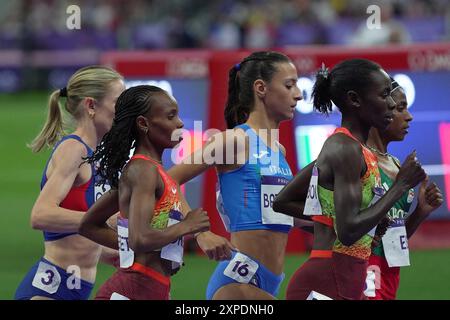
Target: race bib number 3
point(47, 278)
point(312, 204)
point(241, 268)
point(270, 187)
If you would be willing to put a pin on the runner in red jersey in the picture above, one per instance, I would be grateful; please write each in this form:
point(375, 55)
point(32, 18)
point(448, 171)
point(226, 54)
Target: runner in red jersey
point(151, 225)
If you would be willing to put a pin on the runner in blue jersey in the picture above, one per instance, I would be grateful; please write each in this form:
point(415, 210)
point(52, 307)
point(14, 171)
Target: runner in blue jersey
point(252, 169)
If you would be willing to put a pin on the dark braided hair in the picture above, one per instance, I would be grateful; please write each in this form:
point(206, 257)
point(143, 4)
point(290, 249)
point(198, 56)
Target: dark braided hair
point(114, 149)
point(258, 65)
point(353, 74)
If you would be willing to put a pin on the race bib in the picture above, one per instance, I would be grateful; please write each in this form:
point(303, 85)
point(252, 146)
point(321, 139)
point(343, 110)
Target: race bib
point(174, 251)
point(101, 190)
point(317, 296)
point(395, 244)
point(312, 204)
point(378, 193)
point(47, 278)
point(241, 268)
point(118, 296)
point(126, 255)
point(370, 290)
point(270, 187)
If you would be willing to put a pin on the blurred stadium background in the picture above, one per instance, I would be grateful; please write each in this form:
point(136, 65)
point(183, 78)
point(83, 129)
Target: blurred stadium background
point(186, 47)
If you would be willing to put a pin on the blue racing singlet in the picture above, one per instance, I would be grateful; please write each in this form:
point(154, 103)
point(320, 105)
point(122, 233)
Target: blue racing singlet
point(245, 195)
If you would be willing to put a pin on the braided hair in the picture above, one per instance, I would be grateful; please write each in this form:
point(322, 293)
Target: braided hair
point(114, 149)
point(258, 65)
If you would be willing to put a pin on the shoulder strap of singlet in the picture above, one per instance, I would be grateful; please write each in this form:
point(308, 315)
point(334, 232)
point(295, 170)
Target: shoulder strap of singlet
point(70, 136)
point(243, 126)
point(166, 178)
point(75, 137)
point(368, 155)
point(144, 157)
point(347, 133)
point(248, 130)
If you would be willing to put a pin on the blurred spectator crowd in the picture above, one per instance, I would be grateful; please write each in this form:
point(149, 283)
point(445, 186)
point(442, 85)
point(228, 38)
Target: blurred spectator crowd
point(218, 24)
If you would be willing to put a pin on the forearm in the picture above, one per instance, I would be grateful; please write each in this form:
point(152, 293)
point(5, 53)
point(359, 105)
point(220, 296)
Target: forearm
point(413, 221)
point(290, 208)
point(291, 200)
point(154, 239)
point(364, 221)
point(56, 219)
point(103, 235)
point(183, 172)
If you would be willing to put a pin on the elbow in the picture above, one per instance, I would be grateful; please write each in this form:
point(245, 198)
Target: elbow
point(345, 236)
point(36, 221)
point(83, 229)
point(346, 240)
point(277, 205)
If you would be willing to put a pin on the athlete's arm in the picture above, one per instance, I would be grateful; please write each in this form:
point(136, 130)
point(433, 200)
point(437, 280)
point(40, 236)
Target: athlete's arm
point(226, 150)
point(430, 198)
point(291, 199)
point(193, 165)
point(347, 165)
point(143, 181)
point(94, 223)
point(46, 213)
point(214, 246)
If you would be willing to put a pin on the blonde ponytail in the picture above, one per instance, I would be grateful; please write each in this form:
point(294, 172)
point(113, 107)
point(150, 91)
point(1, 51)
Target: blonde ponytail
point(53, 128)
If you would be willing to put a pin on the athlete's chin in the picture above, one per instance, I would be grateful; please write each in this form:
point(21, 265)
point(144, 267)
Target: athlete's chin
point(400, 137)
point(288, 116)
